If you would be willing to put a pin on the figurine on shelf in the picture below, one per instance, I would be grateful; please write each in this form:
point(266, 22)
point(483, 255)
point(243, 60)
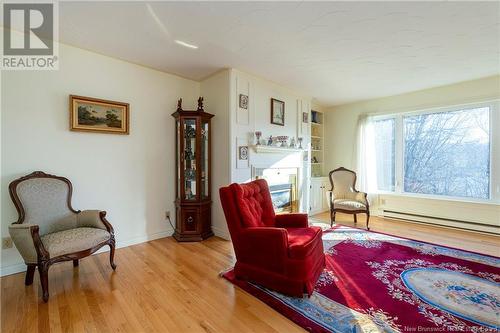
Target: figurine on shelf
point(190, 132)
point(179, 104)
point(258, 134)
point(270, 141)
point(189, 194)
point(300, 143)
point(188, 155)
point(292, 143)
point(314, 159)
point(190, 174)
point(200, 103)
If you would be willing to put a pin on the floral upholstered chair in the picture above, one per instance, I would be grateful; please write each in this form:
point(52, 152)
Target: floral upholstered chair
point(345, 198)
point(49, 230)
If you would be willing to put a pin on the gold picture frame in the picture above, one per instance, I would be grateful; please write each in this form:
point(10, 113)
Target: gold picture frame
point(89, 114)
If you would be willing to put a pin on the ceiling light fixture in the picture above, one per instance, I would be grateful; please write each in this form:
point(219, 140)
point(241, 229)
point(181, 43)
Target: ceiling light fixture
point(191, 46)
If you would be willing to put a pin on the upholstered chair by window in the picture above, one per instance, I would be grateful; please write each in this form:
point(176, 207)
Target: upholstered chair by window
point(345, 198)
point(49, 230)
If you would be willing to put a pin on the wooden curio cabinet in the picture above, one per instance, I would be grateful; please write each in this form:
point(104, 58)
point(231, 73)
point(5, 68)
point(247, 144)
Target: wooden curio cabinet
point(192, 155)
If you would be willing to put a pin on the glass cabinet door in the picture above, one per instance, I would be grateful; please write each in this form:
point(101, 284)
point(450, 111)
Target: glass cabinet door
point(204, 155)
point(189, 157)
point(178, 157)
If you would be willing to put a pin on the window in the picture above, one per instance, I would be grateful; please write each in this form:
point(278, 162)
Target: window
point(448, 153)
point(384, 150)
point(445, 152)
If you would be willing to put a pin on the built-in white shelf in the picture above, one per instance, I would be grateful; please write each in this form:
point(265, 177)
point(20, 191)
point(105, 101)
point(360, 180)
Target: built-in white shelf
point(272, 149)
point(317, 146)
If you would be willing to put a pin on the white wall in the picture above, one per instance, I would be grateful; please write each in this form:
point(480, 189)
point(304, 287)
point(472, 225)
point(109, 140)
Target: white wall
point(130, 176)
point(341, 140)
point(258, 118)
point(215, 91)
point(234, 126)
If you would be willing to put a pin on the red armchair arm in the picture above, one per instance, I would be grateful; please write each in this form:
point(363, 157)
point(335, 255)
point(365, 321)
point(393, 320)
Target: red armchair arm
point(266, 247)
point(292, 221)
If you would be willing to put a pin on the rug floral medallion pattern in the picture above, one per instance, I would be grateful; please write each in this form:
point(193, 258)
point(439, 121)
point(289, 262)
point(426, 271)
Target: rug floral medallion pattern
point(379, 283)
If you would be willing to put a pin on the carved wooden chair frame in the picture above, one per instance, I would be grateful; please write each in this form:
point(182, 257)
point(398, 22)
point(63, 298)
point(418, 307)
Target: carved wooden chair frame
point(334, 210)
point(43, 258)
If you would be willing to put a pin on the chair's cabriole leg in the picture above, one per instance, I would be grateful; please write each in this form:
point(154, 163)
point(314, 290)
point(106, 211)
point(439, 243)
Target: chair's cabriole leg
point(30, 272)
point(112, 253)
point(355, 219)
point(43, 270)
point(367, 221)
point(75, 263)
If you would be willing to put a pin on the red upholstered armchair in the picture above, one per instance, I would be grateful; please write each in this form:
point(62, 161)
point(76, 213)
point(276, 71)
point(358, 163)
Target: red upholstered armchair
point(280, 252)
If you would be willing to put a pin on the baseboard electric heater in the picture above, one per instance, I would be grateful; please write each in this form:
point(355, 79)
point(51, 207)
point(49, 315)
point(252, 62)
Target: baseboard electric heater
point(445, 222)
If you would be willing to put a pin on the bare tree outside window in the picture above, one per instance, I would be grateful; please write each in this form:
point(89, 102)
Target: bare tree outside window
point(448, 153)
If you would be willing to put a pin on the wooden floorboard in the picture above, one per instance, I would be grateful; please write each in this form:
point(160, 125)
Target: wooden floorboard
point(462, 239)
point(165, 286)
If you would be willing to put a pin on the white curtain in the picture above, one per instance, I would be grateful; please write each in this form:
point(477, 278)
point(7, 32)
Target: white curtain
point(365, 156)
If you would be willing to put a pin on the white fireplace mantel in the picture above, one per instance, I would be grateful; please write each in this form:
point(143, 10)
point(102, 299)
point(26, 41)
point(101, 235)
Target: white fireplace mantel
point(275, 150)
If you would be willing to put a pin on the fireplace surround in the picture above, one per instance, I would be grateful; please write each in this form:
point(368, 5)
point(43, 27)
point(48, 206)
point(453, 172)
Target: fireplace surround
point(283, 187)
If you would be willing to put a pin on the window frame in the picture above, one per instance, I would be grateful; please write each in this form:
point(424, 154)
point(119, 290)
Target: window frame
point(494, 164)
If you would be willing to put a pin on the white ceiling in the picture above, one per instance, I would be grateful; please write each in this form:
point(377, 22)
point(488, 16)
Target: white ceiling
point(336, 52)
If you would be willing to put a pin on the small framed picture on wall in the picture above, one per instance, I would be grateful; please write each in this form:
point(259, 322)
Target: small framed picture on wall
point(277, 112)
point(243, 101)
point(243, 153)
point(305, 117)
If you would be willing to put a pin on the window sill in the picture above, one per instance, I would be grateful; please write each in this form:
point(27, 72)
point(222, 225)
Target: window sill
point(440, 198)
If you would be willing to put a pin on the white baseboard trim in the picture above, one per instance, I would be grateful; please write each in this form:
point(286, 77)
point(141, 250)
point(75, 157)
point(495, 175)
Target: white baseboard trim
point(222, 233)
point(21, 267)
point(12, 269)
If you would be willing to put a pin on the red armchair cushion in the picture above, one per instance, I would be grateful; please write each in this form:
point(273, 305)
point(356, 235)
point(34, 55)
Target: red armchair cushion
point(254, 204)
point(301, 241)
point(293, 220)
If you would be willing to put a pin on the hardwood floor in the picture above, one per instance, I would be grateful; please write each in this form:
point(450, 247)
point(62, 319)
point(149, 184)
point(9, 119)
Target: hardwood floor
point(165, 286)
point(467, 240)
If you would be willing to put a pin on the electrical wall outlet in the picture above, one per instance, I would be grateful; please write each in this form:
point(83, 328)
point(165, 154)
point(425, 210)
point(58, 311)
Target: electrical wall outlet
point(6, 243)
point(167, 214)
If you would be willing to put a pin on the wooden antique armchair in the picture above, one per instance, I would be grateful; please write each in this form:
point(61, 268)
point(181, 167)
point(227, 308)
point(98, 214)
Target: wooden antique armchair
point(49, 230)
point(345, 198)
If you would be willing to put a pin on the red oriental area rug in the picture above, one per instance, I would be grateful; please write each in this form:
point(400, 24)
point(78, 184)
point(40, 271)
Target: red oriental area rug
point(379, 283)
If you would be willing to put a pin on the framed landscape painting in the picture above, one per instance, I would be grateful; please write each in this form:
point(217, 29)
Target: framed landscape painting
point(98, 115)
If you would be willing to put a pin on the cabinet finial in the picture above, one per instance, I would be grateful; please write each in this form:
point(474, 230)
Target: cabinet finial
point(179, 104)
point(200, 103)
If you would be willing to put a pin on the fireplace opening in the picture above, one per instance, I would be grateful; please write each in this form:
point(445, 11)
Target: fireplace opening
point(282, 197)
point(282, 186)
